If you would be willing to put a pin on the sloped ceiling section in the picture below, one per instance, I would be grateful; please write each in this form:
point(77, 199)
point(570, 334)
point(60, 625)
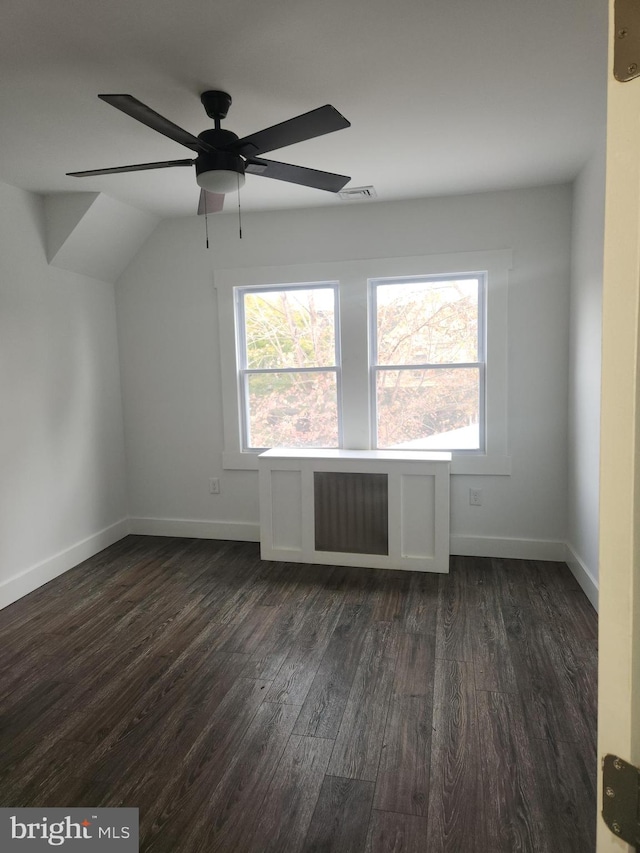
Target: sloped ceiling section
point(94, 235)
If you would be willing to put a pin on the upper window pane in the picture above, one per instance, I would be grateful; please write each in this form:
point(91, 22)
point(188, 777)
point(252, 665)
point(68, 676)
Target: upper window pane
point(428, 322)
point(290, 328)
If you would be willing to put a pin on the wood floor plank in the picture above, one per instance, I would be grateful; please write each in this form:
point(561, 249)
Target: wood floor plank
point(252, 631)
point(207, 567)
point(286, 812)
point(510, 579)
point(235, 806)
point(396, 833)
point(538, 683)
point(547, 588)
point(103, 570)
point(284, 580)
point(299, 669)
point(353, 583)
point(512, 800)
point(415, 665)
point(202, 763)
point(234, 600)
point(583, 618)
point(421, 610)
point(356, 754)
point(56, 769)
point(391, 596)
point(578, 689)
point(492, 664)
point(455, 788)
point(21, 724)
point(62, 630)
point(159, 727)
point(556, 598)
point(457, 598)
point(174, 642)
point(403, 775)
point(28, 665)
point(295, 627)
point(267, 660)
point(135, 640)
point(567, 782)
point(88, 712)
point(340, 821)
point(326, 700)
point(402, 783)
point(61, 790)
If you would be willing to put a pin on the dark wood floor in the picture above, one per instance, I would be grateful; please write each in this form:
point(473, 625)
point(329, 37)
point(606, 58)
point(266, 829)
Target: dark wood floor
point(249, 707)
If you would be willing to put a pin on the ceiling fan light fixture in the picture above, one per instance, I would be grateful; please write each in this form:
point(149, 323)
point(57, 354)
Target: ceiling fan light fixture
point(220, 180)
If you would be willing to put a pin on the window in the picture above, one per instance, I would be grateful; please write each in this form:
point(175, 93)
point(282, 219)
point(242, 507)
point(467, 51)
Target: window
point(404, 352)
point(427, 362)
point(288, 353)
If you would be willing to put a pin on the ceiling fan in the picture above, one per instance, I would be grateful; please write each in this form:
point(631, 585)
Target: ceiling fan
point(224, 159)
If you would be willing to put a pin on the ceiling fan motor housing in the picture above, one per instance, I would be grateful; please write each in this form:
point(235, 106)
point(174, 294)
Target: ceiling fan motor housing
point(219, 160)
point(210, 161)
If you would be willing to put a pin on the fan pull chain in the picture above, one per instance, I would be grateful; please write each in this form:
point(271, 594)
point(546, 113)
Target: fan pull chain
point(239, 211)
point(206, 220)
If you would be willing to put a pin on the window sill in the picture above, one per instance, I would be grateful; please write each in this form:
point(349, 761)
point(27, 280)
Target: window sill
point(466, 465)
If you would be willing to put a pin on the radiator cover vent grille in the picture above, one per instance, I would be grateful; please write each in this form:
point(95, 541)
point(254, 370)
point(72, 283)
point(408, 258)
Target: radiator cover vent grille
point(351, 512)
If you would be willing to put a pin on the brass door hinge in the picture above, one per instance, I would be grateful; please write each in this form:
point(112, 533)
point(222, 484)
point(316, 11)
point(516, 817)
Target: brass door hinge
point(621, 799)
point(626, 53)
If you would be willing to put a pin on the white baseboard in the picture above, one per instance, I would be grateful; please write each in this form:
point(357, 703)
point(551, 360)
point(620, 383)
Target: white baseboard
point(19, 585)
point(583, 575)
point(508, 549)
point(239, 531)
point(244, 531)
point(472, 546)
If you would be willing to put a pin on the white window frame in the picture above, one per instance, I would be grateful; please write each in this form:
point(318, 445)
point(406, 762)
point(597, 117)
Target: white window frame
point(375, 368)
point(243, 370)
point(353, 277)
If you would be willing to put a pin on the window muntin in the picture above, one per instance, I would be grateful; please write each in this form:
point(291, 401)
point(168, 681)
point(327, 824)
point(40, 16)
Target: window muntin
point(427, 362)
point(289, 373)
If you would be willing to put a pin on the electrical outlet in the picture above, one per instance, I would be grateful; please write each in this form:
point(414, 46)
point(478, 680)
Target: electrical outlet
point(475, 497)
point(214, 485)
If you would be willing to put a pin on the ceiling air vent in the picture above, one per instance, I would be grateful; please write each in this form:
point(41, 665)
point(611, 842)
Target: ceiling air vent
point(358, 194)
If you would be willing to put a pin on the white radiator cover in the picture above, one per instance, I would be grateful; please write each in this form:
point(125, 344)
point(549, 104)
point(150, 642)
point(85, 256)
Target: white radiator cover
point(417, 499)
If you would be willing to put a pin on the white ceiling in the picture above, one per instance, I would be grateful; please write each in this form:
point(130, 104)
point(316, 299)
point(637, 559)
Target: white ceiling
point(444, 96)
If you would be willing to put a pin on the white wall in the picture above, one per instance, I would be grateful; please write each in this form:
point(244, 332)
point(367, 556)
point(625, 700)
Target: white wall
point(584, 372)
point(62, 483)
point(171, 370)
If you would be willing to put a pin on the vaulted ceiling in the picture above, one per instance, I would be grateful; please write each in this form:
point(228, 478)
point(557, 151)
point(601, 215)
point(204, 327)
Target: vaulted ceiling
point(444, 96)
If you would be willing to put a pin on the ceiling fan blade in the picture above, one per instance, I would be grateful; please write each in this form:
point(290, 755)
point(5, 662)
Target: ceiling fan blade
point(306, 126)
point(139, 167)
point(297, 175)
point(141, 112)
point(210, 202)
